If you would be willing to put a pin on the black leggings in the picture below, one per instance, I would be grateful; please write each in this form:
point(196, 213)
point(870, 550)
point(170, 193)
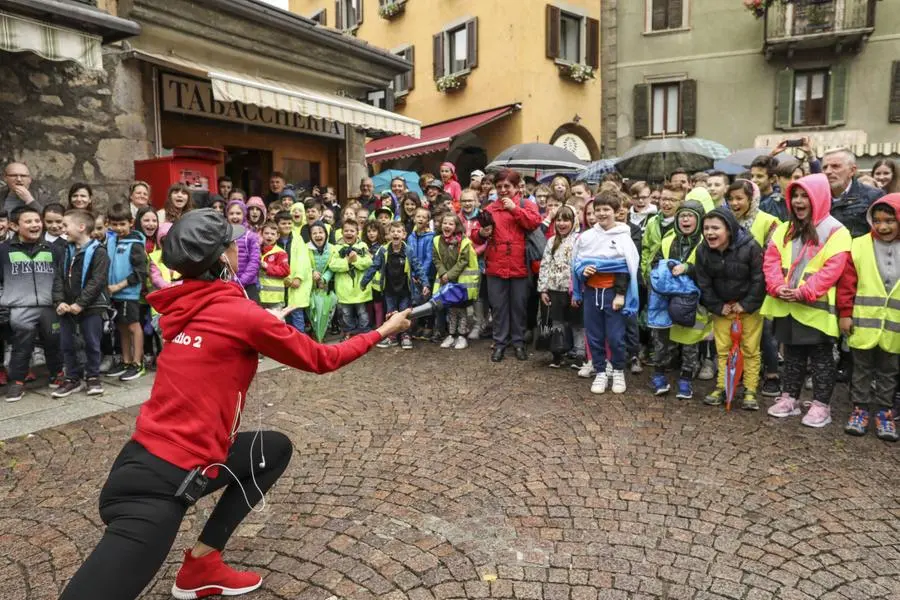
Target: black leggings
point(142, 515)
point(821, 368)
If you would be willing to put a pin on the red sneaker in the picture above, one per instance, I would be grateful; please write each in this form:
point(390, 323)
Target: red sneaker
point(4, 378)
point(30, 376)
point(209, 576)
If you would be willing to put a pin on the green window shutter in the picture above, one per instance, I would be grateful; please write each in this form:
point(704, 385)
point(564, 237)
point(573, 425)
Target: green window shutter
point(894, 113)
point(837, 94)
point(641, 110)
point(411, 57)
point(659, 15)
point(688, 91)
point(784, 98)
point(675, 14)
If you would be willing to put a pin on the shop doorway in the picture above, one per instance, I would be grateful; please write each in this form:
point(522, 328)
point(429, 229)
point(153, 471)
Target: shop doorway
point(249, 169)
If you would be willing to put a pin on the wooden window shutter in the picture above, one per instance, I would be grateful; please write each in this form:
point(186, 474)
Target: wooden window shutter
point(675, 16)
point(438, 56)
point(411, 57)
point(553, 15)
point(784, 98)
point(472, 42)
point(323, 19)
point(641, 110)
point(837, 94)
point(339, 23)
point(359, 12)
point(659, 15)
point(894, 112)
point(687, 91)
point(592, 43)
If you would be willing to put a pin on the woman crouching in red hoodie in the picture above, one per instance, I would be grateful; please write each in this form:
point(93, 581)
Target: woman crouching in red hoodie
point(186, 443)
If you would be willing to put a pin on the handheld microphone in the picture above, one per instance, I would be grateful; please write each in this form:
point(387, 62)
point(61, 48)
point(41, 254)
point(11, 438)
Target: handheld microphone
point(422, 311)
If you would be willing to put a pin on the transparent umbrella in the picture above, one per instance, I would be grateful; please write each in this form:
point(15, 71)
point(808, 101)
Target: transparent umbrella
point(654, 160)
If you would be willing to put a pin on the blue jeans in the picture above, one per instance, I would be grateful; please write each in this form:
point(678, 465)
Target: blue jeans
point(354, 317)
point(297, 320)
point(769, 348)
point(91, 328)
point(394, 304)
point(604, 326)
point(632, 337)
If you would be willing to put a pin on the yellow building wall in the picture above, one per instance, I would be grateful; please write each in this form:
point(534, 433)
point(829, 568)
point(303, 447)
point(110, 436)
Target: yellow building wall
point(512, 64)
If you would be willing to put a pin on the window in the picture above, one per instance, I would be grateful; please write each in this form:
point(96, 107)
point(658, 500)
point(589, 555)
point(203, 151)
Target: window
point(459, 48)
point(665, 108)
point(405, 82)
point(810, 98)
point(456, 49)
point(665, 14)
point(321, 17)
point(349, 13)
point(665, 103)
point(894, 111)
point(572, 38)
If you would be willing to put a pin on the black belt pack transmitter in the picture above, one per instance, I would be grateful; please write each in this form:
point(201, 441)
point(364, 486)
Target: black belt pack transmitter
point(193, 486)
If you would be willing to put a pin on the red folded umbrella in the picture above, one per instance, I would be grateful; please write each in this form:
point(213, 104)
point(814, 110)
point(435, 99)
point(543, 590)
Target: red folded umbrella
point(734, 365)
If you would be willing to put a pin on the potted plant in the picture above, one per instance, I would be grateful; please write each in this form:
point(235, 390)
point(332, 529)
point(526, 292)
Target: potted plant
point(391, 9)
point(576, 72)
point(758, 7)
point(450, 83)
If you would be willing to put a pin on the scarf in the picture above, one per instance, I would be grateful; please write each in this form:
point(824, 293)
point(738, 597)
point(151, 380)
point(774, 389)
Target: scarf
point(750, 216)
point(453, 239)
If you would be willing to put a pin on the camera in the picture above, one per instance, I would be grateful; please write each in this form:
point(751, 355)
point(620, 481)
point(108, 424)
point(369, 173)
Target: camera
point(795, 143)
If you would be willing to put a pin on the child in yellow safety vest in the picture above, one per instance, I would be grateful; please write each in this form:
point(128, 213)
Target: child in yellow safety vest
point(802, 264)
point(456, 261)
point(274, 267)
point(161, 276)
point(868, 301)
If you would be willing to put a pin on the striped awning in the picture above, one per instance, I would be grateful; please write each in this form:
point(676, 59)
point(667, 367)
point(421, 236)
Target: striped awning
point(229, 86)
point(21, 34)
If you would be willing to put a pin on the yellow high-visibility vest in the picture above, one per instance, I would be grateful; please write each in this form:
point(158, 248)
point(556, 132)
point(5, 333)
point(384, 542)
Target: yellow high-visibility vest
point(271, 289)
point(762, 226)
point(702, 326)
point(876, 311)
point(470, 278)
point(822, 313)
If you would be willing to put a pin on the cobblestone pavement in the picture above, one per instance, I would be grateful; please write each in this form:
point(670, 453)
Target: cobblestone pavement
point(466, 479)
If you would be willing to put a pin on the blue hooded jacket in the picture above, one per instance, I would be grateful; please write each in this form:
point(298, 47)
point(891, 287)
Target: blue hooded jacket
point(664, 285)
point(605, 265)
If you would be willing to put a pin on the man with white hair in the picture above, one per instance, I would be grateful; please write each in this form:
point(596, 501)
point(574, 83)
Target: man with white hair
point(850, 199)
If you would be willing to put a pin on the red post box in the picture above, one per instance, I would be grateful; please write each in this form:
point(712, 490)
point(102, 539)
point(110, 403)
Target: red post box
point(195, 166)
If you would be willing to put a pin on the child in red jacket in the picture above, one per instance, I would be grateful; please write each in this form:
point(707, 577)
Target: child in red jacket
point(274, 266)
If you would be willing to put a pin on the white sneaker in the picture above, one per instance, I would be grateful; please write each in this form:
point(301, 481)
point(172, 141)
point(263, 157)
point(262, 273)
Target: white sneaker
point(599, 385)
point(475, 333)
point(636, 366)
point(707, 371)
point(448, 342)
point(461, 343)
point(586, 370)
point(618, 382)
point(609, 369)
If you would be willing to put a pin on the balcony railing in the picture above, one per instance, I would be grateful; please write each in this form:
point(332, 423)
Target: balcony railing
point(818, 23)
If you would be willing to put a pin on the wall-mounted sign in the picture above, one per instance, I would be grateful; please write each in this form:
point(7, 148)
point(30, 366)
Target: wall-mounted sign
point(189, 96)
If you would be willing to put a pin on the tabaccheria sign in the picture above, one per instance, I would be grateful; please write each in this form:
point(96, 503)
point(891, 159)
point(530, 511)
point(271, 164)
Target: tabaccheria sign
point(195, 97)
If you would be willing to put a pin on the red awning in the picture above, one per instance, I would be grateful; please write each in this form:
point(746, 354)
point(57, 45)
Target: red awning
point(435, 138)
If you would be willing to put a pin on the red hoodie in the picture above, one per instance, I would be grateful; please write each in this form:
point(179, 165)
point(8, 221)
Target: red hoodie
point(214, 336)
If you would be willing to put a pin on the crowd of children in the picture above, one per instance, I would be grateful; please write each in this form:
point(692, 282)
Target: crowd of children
point(626, 276)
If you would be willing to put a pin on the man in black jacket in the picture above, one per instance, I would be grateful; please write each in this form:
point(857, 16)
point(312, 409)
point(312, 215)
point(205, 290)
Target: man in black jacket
point(80, 297)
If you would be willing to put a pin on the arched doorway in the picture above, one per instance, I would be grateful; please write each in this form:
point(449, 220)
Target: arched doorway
point(577, 140)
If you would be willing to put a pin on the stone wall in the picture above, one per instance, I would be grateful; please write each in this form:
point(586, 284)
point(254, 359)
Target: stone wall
point(71, 124)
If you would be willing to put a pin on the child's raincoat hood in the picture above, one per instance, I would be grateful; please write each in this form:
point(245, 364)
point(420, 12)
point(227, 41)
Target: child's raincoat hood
point(701, 195)
point(892, 200)
point(819, 191)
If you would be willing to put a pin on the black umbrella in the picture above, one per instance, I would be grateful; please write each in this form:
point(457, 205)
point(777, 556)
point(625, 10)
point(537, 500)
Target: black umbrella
point(537, 157)
point(654, 160)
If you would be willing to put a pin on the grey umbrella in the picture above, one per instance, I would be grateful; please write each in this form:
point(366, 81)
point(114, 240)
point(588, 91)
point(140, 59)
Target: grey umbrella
point(654, 160)
point(747, 155)
point(537, 157)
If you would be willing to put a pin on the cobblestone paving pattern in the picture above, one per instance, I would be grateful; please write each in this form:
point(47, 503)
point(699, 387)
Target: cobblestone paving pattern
point(466, 479)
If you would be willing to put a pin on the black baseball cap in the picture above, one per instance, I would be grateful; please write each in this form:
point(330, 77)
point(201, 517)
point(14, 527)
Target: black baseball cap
point(196, 241)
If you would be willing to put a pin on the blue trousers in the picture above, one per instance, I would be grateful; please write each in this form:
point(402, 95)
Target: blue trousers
point(604, 326)
point(91, 327)
point(297, 320)
point(355, 317)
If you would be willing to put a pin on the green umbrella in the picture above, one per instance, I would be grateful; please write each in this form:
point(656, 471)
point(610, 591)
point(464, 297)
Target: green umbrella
point(322, 304)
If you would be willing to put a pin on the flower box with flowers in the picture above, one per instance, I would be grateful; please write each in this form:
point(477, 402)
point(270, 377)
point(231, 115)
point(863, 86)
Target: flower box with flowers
point(576, 72)
point(759, 7)
point(391, 9)
point(451, 83)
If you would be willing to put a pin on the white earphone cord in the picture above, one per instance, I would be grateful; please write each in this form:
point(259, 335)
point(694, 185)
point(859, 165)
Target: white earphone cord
point(262, 464)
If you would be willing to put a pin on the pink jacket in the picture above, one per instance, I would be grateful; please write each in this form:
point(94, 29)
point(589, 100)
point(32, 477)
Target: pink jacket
point(818, 284)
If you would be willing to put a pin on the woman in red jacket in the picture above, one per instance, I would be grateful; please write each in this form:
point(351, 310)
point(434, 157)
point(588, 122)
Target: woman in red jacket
point(186, 443)
point(507, 274)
